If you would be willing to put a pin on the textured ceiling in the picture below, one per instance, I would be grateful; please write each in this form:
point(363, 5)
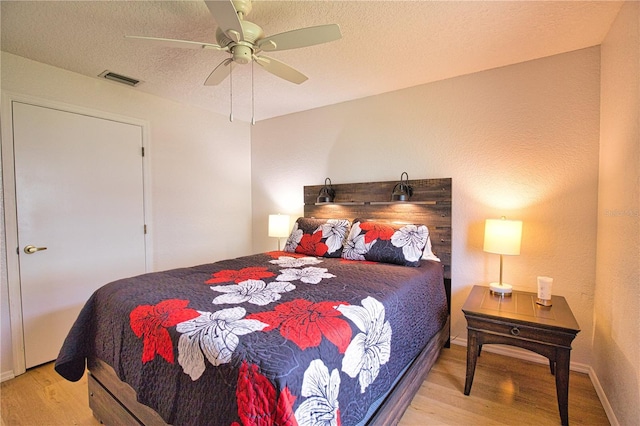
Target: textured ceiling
point(385, 45)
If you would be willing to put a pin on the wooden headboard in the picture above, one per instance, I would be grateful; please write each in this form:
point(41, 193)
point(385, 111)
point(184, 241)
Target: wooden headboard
point(430, 205)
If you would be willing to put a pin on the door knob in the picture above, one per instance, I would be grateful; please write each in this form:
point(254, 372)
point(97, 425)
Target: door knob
point(32, 249)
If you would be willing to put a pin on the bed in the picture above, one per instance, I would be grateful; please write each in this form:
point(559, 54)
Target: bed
point(324, 333)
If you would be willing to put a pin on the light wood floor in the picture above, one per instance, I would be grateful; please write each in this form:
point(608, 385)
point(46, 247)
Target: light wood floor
point(506, 391)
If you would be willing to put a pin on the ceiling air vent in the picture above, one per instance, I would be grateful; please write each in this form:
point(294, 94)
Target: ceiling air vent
point(119, 78)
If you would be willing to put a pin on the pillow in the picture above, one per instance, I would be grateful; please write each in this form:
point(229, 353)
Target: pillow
point(400, 244)
point(318, 237)
point(428, 253)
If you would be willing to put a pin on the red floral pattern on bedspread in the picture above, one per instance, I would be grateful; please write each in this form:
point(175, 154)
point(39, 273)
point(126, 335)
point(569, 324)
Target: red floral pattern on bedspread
point(304, 323)
point(257, 401)
point(151, 321)
point(230, 275)
point(277, 253)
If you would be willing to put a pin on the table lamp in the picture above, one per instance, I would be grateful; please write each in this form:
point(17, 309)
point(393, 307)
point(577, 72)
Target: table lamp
point(279, 226)
point(503, 237)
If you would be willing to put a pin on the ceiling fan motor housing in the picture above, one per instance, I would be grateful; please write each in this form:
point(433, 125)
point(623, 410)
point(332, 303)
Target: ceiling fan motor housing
point(250, 34)
point(242, 50)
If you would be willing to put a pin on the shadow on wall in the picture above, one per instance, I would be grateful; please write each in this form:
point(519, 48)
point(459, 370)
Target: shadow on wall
point(611, 354)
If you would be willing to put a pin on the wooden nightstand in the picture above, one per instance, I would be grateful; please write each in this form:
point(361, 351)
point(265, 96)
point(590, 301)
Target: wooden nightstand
point(518, 321)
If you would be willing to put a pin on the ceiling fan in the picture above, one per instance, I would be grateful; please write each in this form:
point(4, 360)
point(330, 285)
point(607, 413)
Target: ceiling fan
point(245, 41)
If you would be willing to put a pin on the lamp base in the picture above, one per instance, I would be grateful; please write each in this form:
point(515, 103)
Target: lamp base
point(500, 289)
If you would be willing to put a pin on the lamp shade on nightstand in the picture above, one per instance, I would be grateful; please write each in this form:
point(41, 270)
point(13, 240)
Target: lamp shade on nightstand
point(503, 237)
point(278, 226)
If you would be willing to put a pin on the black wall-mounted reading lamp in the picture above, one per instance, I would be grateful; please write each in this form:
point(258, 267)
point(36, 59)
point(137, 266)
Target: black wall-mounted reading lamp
point(326, 194)
point(402, 191)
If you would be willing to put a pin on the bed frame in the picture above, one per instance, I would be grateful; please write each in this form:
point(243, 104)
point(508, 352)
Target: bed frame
point(114, 402)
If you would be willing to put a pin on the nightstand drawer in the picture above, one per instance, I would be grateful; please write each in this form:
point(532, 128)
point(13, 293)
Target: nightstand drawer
point(520, 331)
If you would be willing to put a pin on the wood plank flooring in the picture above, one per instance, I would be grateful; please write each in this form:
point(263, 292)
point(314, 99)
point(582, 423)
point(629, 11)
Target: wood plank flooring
point(42, 397)
point(506, 391)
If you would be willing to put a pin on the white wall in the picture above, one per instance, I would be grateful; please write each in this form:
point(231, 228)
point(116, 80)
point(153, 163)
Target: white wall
point(616, 339)
point(200, 170)
point(520, 141)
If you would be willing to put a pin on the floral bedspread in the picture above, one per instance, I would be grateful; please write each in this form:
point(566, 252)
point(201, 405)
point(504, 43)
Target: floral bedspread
point(273, 338)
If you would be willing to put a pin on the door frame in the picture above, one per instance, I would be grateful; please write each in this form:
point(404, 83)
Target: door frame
point(10, 204)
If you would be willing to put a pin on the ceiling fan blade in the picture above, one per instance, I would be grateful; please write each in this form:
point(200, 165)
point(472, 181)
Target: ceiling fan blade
point(281, 69)
point(220, 72)
point(226, 16)
point(302, 37)
point(183, 44)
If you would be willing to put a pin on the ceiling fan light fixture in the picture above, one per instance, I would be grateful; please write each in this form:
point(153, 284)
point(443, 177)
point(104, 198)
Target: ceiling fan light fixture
point(242, 54)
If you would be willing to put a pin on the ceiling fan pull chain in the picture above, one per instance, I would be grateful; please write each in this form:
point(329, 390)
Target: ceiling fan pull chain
point(231, 93)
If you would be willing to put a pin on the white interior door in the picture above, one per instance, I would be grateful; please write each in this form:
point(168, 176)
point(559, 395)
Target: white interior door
point(79, 194)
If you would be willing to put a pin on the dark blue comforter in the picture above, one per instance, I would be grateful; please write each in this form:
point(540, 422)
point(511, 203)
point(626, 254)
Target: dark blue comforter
point(272, 338)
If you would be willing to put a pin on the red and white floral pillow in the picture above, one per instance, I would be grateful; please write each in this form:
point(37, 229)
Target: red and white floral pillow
point(318, 237)
point(401, 244)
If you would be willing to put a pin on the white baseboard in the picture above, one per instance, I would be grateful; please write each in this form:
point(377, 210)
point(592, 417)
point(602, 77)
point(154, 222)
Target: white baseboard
point(6, 375)
point(603, 398)
point(526, 355)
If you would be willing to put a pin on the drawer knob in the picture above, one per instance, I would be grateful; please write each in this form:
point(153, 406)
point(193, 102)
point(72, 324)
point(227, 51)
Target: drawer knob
point(515, 331)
